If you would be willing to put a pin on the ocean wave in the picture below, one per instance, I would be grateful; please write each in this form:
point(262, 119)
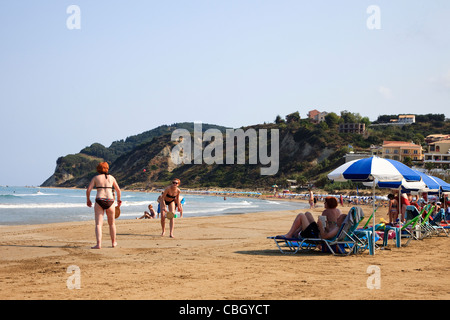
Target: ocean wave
point(6, 196)
point(144, 204)
point(42, 205)
point(201, 211)
point(27, 195)
point(128, 196)
point(138, 203)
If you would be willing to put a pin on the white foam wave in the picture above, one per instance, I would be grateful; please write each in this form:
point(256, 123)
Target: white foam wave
point(138, 203)
point(67, 205)
point(30, 194)
point(42, 205)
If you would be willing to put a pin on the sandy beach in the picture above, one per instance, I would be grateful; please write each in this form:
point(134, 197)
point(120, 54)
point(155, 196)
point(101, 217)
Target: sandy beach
point(210, 258)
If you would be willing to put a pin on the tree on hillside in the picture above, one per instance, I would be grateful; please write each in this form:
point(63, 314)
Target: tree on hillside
point(430, 117)
point(278, 119)
point(350, 117)
point(386, 118)
point(293, 117)
point(332, 119)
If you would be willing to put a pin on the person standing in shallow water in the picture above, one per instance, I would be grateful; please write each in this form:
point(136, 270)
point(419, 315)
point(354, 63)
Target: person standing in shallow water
point(170, 198)
point(104, 201)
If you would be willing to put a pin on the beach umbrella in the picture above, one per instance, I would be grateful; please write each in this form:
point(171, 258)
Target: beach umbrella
point(404, 185)
point(431, 184)
point(376, 170)
point(443, 186)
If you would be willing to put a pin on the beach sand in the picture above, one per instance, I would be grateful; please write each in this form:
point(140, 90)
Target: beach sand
point(211, 258)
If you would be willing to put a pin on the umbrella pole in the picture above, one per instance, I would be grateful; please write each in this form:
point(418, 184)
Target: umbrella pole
point(400, 210)
point(373, 217)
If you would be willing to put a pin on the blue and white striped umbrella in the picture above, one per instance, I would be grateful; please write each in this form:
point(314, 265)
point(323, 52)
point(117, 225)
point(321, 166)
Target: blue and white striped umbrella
point(443, 186)
point(376, 170)
point(431, 183)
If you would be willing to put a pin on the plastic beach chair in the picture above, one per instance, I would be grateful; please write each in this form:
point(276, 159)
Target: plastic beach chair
point(345, 239)
point(370, 218)
point(408, 230)
point(426, 229)
point(432, 226)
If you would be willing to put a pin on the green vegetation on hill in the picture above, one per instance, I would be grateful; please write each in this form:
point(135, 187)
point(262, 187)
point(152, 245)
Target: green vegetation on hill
point(308, 151)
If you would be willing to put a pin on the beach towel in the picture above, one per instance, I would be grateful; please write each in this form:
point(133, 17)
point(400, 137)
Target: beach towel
point(357, 216)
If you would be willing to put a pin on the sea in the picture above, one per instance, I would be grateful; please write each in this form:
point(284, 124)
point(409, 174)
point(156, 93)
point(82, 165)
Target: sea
point(34, 205)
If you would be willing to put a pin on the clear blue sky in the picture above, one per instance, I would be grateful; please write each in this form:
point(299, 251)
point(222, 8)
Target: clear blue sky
point(135, 65)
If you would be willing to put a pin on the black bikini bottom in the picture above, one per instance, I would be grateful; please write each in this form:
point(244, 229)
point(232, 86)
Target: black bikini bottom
point(169, 202)
point(105, 203)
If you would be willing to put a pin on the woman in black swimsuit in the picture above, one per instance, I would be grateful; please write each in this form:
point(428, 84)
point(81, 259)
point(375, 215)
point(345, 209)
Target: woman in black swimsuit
point(171, 199)
point(104, 201)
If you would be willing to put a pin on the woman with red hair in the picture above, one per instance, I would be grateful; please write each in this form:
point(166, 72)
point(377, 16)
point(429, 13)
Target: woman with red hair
point(326, 226)
point(104, 200)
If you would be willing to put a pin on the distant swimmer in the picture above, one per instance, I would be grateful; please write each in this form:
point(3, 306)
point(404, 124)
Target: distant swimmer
point(104, 182)
point(170, 198)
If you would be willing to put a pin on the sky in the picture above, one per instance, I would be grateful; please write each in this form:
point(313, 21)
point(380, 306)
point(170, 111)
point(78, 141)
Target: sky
point(113, 69)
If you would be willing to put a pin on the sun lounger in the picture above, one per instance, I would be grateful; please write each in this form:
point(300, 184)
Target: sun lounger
point(417, 226)
point(345, 242)
point(425, 227)
point(433, 226)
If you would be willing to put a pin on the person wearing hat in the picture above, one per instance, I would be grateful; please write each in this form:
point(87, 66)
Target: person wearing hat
point(104, 200)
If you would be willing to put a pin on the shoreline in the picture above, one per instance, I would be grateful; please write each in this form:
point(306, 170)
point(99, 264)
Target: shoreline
point(211, 258)
point(80, 214)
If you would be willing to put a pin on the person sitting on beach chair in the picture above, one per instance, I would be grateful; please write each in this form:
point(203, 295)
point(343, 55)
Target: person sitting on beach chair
point(325, 228)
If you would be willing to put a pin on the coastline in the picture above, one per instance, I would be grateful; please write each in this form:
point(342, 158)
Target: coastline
point(211, 258)
point(53, 205)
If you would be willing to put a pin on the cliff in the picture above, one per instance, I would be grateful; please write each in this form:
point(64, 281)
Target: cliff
point(307, 152)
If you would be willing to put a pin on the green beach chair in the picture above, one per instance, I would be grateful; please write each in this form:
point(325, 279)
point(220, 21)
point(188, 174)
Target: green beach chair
point(425, 228)
point(435, 223)
point(432, 229)
point(410, 230)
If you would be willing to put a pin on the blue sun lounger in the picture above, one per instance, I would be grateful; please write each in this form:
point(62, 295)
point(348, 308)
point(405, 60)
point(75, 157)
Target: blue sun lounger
point(345, 242)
